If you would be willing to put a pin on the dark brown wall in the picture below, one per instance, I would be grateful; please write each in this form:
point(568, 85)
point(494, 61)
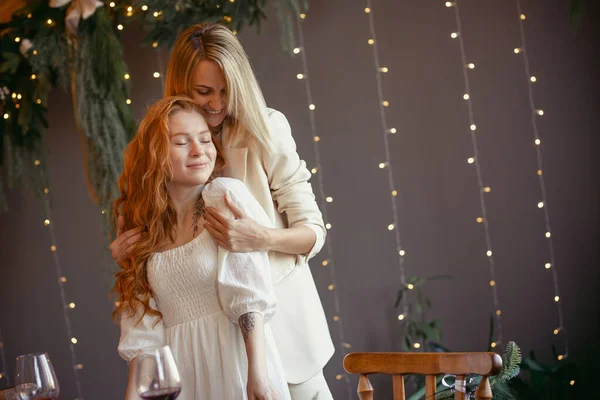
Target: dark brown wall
point(438, 200)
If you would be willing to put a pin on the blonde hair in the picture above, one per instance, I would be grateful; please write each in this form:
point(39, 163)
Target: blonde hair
point(144, 200)
point(246, 105)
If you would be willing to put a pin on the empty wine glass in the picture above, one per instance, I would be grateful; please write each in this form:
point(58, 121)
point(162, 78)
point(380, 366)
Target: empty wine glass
point(156, 374)
point(35, 378)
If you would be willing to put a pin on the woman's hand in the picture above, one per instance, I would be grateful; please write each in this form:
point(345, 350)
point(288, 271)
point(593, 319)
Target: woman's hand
point(122, 245)
point(241, 234)
point(260, 387)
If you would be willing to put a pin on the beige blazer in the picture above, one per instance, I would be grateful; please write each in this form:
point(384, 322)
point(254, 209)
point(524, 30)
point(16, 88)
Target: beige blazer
point(279, 181)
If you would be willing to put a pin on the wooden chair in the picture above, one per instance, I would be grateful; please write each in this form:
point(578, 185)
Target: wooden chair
point(428, 364)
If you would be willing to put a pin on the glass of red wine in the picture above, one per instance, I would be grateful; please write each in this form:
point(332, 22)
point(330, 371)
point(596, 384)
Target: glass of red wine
point(35, 378)
point(156, 374)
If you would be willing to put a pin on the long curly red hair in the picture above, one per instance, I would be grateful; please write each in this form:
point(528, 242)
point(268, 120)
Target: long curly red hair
point(144, 200)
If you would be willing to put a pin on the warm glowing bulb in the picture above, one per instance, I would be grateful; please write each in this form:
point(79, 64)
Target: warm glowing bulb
point(19, 96)
point(537, 142)
point(35, 52)
point(401, 317)
point(473, 127)
point(449, 4)
point(155, 14)
point(17, 39)
point(338, 377)
point(63, 279)
point(79, 366)
point(33, 76)
point(311, 107)
point(479, 220)
point(52, 248)
point(385, 103)
point(384, 69)
point(371, 41)
point(129, 9)
point(394, 193)
point(6, 116)
point(492, 283)
point(548, 234)
point(300, 76)
point(126, 76)
point(47, 222)
point(471, 160)
point(330, 287)
point(556, 299)
point(471, 66)
point(417, 345)
point(74, 340)
point(539, 172)
point(517, 50)
point(390, 227)
point(37, 162)
point(328, 226)
point(540, 112)
point(144, 8)
point(410, 286)
point(71, 305)
point(155, 45)
point(392, 130)
point(556, 331)
point(156, 74)
point(382, 165)
point(489, 253)
point(336, 318)
point(112, 4)
point(329, 199)
point(49, 21)
point(454, 35)
point(316, 139)
point(296, 50)
point(128, 101)
point(493, 344)
point(120, 27)
point(541, 204)
point(367, 10)
point(533, 79)
point(302, 15)
point(548, 266)
point(466, 96)
point(523, 17)
point(325, 263)
point(498, 312)
point(572, 383)
point(314, 170)
point(560, 358)
point(402, 253)
point(38, 101)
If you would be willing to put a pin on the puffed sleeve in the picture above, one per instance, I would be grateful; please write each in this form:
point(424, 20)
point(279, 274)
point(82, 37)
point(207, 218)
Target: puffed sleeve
point(139, 335)
point(288, 179)
point(243, 279)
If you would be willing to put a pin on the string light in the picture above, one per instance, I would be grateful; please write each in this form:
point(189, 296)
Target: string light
point(304, 76)
point(551, 265)
point(296, 50)
point(120, 27)
point(417, 345)
point(112, 4)
point(128, 101)
point(61, 280)
point(390, 227)
point(475, 148)
point(454, 35)
point(410, 286)
point(392, 187)
point(156, 74)
point(17, 39)
point(144, 8)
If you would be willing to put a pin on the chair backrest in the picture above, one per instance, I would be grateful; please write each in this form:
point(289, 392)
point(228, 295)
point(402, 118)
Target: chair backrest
point(428, 364)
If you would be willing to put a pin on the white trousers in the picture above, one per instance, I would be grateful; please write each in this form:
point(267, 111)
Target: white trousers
point(313, 389)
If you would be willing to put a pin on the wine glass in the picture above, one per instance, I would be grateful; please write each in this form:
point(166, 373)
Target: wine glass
point(156, 374)
point(35, 378)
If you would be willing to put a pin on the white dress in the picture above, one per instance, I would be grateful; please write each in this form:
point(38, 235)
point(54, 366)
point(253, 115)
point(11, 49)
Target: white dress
point(201, 291)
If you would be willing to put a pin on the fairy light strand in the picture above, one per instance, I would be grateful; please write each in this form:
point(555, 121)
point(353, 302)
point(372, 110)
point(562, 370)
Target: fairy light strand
point(330, 262)
point(544, 202)
point(3, 371)
point(393, 191)
point(475, 161)
point(48, 222)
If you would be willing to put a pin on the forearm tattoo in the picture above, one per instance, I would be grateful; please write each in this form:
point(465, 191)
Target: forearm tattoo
point(247, 324)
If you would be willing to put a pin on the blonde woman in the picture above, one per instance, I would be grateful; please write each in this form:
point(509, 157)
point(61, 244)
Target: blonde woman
point(209, 64)
point(177, 287)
